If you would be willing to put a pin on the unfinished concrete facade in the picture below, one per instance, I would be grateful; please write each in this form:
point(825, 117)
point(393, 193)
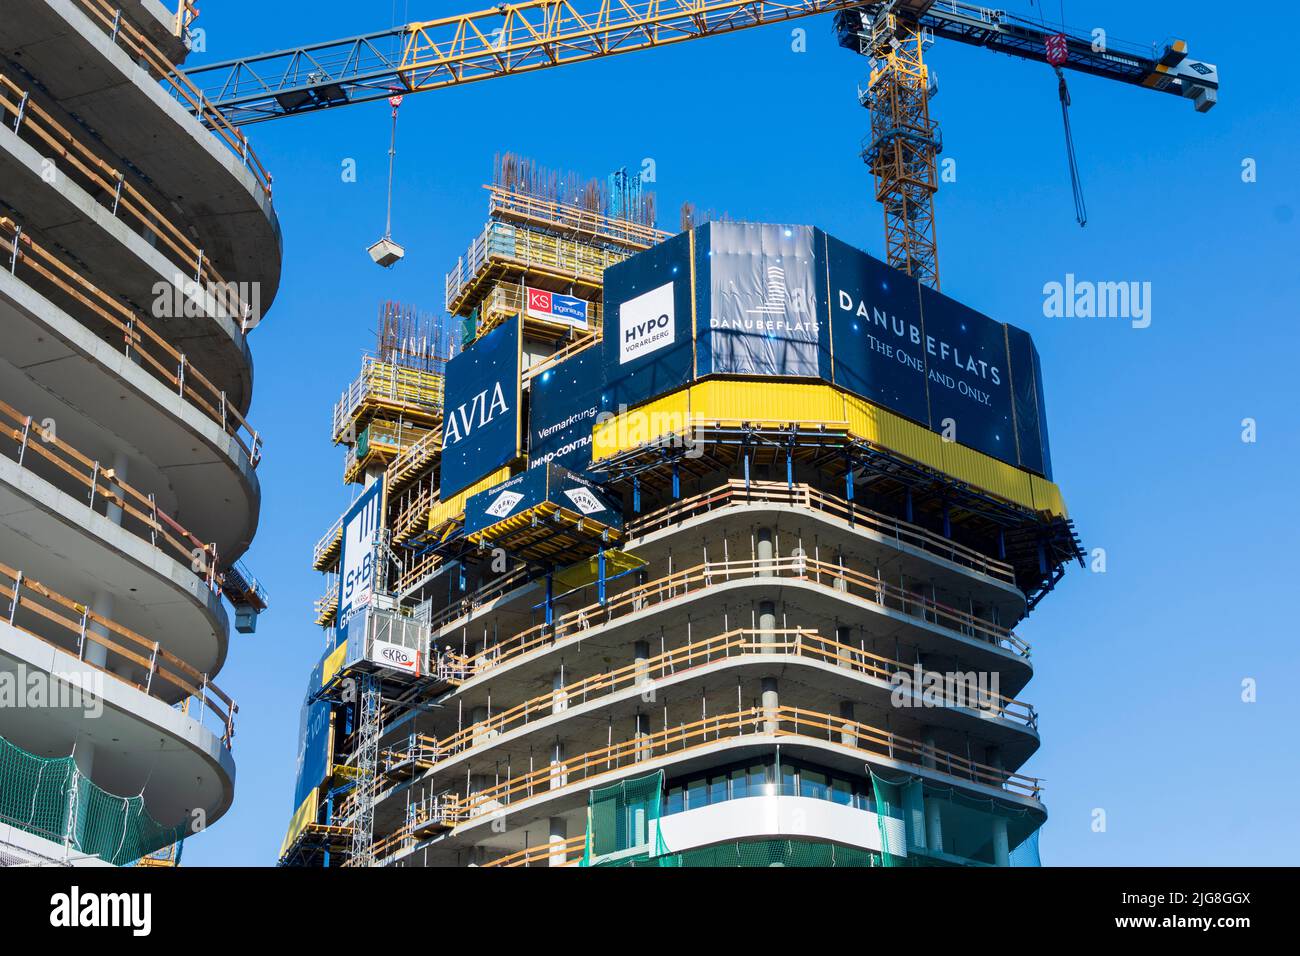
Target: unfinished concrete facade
point(137, 251)
point(795, 648)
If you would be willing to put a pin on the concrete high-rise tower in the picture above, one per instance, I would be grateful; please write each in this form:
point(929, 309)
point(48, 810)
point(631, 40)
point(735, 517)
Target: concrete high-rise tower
point(707, 549)
point(138, 248)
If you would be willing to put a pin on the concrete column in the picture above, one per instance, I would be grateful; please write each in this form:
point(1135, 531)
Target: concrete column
point(641, 654)
point(476, 716)
point(933, 825)
point(641, 732)
point(102, 604)
point(993, 757)
point(559, 834)
point(927, 738)
point(766, 622)
point(560, 702)
point(766, 550)
point(120, 463)
point(848, 733)
point(1001, 849)
point(559, 776)
point(771, 701)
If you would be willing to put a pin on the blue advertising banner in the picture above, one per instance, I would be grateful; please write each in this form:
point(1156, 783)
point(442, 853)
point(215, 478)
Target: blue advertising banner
point(879, 340)
point(757, 302)
point(562, 407)
point(549, 483)
point(967, 376)
point(361, 523)
point(648, 323)
point(1027, 400)
point(481, 420)
point(313, 738)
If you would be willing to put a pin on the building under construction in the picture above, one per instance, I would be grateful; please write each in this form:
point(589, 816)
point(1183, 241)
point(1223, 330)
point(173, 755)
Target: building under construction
point(137, 252)
point(680, 550)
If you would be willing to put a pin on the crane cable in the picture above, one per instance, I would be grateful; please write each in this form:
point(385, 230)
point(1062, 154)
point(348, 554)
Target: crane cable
point(394, 101)
point(1076, 184)
point(1057, 50)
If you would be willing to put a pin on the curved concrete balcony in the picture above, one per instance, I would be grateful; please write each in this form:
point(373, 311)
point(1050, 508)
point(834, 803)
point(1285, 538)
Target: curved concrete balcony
point(213, 177)
point(126, 741)
point(452, 819)
point(203, 320)
point(801, 516)
point(716, 596)
point(116, 652)
point(126, 346)
point(128, 561)
point(710, 673)
point(110, 409)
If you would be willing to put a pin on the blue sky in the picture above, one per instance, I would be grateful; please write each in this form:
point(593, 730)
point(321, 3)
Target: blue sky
point(1140, 669)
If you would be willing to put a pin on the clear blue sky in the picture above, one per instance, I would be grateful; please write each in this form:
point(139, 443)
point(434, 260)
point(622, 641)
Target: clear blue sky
point(1139, 670)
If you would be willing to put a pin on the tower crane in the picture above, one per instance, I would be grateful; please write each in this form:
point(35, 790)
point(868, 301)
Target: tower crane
point(514, 38)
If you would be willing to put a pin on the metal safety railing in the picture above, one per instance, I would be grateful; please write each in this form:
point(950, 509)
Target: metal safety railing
point(562, 216)
point(326, 551)
point(26, 441)
point(452, 810)
point(509, 298)
point(558, 853)
point(28, 604)
point(736, 643)
point(387, 385)
point(149, 57)
point(506, 243)
point(736, 493)
point(837, 577)
point(110, 186)
point(31, 262)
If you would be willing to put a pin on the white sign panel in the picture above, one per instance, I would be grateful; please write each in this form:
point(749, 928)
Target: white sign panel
point(646, 324)
point(395, 656)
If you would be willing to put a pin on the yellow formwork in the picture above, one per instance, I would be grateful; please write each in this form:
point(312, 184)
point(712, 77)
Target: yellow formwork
point(666, 415)
point(305, 814)
point(767, 401)
point(784, 403)
point(454, 507)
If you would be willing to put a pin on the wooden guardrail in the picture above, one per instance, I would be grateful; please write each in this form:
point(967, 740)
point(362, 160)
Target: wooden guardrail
point(156, 354)
point(737, 494)
point(161, 668)
point(110, 186)
point(568, 851)
point(148, 522)
point(141, 48)
point(452, 810)
point(837, 577)
point(738, 642)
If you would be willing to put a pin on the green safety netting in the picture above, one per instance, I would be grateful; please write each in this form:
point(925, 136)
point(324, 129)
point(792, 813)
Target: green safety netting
point(49, 797)
point(970, 831)
point(623, 818)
